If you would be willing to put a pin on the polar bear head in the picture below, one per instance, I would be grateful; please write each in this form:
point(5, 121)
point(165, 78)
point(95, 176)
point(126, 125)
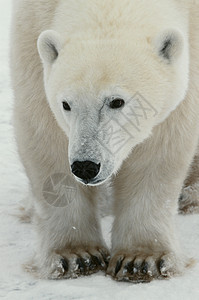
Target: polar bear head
point(108, 95)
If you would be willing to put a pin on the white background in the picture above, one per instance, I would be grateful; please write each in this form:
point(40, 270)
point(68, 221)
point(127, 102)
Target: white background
point(17, 240)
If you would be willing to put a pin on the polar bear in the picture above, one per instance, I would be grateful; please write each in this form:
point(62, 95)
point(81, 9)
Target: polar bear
point(106, 101)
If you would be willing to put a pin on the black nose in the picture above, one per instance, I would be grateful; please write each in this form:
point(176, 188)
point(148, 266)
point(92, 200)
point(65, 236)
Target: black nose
point(85, 170)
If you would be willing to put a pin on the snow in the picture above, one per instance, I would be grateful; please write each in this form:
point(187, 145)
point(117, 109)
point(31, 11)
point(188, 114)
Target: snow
point(17, 240)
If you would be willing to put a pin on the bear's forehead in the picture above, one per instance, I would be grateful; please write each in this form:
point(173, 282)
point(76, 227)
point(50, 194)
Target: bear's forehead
point(105, 62)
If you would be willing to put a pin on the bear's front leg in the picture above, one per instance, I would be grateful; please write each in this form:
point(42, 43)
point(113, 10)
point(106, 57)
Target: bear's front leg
point(70, 240)
point(144, 244)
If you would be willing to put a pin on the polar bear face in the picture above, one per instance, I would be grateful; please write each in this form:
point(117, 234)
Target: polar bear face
point(107, 96)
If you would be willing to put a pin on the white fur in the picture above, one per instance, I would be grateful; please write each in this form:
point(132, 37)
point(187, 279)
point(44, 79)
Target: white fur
point(106, 50)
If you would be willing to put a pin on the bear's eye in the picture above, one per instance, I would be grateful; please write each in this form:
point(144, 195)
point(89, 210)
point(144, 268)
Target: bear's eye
point(117, 103)
point(66, 106)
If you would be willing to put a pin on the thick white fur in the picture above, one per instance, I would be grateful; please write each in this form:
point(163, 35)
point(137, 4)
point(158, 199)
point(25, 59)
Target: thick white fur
point(148, 174)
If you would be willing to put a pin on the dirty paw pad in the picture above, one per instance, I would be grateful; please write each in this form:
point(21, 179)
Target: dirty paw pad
point(79, 262)
point(139, 269)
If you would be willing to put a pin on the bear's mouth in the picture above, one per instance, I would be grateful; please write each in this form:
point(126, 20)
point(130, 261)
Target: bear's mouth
point(93, 182)
point(96, 182)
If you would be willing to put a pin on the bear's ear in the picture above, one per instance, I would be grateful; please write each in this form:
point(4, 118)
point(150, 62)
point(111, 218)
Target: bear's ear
point(169, 45)
point(49, 46)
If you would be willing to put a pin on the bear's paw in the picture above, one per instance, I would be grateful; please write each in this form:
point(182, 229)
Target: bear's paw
point(142, 267)
point(74, 262)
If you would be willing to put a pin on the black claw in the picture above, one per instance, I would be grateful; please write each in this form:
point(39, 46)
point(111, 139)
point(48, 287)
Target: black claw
point(96, 260)
point(106, 258)
point(161, 264)
point(99, 261)
point(118, 265)
point(129, 267)
point(64, 264)
point(145, 268)
point(81, 264)
point(93, 263)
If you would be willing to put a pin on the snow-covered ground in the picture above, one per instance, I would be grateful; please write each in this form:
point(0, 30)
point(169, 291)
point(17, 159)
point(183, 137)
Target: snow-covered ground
point(17, 240)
